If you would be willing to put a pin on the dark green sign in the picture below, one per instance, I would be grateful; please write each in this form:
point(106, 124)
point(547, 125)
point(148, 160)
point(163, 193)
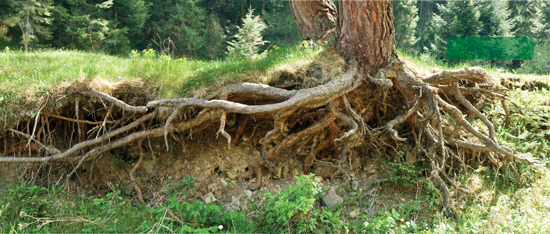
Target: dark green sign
point(490, 48)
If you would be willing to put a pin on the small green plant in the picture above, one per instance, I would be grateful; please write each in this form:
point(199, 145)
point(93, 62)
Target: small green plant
point(406, 174)
point(183, 217)
point(295, 201)
point(323, 220)
point(248, 40)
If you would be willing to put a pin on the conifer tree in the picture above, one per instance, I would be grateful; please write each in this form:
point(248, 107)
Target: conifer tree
point(183, 21)
point(424, 32)
point(405, 21)
point(248, 40)
point(494, 16)
point(32, 16)
point(544, 23)
point(524, 16)
point(456, 19)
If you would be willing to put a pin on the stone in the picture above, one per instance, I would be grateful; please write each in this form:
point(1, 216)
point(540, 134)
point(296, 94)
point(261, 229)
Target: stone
point(354, 185)
point(231, 174)
point(295, 172)
point(285, 172)
point(224, 183)
point(370, 169)
point(248, 193)
point(363, 175)
point(409, 156)
point(332, 199)
point(266, 174)
point(209, 198)
point(128, 189)
point(318, 178)
point(353, 214)
point(149, 166)
point(278, 172)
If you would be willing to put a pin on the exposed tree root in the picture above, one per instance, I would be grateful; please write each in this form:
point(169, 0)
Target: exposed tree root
point(134, 183)
point(383, 112)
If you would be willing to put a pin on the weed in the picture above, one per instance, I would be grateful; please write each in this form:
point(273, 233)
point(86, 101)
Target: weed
point(406, 174)
point(292, 203)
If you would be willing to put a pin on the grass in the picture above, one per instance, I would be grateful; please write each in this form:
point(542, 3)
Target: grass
point(28, 75)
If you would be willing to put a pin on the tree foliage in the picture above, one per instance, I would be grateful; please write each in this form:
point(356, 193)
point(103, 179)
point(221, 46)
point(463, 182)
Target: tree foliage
point(405, 20)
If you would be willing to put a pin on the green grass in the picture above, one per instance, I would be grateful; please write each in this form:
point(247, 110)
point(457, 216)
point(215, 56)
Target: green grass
point(26, 76)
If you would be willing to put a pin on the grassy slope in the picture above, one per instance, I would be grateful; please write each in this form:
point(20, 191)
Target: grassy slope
point(25, 76)
point(505, 202)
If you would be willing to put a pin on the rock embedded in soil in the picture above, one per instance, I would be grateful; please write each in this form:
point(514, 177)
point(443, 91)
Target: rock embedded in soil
point(295, 172)
point(209, 198)
point(285, 172)
point(128, 188)
point(278, 172)
point(149, 166)
point(224, 183)
point(370, 169)
point(231, 174)
point(332, 199)
point(353, 214)
point(354, 185)
point(318, 178)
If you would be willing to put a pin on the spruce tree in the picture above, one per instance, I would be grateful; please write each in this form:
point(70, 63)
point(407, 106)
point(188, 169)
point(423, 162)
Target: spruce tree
point(183, 21)
point(524, 16)
point(494, 16)
point(248, 40)
point(424, 32)
point(32, 16)
point(405, 18)
point(456, 19)
point(544, 23)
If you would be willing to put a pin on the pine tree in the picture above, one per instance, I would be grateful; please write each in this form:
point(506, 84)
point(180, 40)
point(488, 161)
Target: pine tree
point(405, 18)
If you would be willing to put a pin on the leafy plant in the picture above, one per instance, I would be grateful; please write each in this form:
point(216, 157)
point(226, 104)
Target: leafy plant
point(295, 201)
point(183, 217)
point(404, 173)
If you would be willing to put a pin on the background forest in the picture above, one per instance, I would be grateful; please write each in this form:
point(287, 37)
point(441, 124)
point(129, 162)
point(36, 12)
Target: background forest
point(202, 28)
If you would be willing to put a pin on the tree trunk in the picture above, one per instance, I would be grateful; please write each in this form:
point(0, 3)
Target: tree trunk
point(315, 19)
point(366, 33)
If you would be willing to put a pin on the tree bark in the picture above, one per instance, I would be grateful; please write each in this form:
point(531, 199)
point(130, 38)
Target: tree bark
point(315, 19)
point(366, 33)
